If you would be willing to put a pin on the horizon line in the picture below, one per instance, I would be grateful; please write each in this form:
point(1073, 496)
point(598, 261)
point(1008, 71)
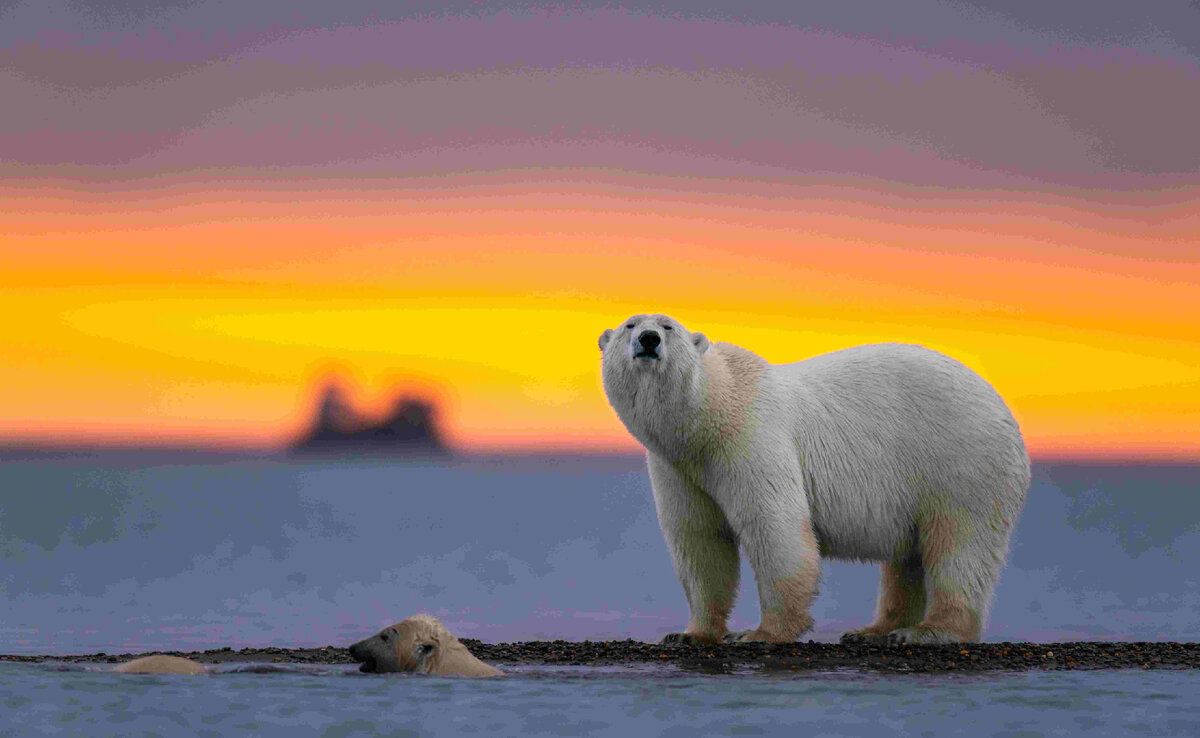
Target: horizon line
point(37, 448)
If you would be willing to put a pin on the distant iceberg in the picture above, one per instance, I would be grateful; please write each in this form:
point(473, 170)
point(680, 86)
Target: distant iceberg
point(410, 428)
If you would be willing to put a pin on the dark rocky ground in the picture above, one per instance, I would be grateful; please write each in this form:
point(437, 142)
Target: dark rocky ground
point(975, 657)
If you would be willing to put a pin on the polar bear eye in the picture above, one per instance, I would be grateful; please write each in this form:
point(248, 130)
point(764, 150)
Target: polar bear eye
point(668, 328)
point(629, 325)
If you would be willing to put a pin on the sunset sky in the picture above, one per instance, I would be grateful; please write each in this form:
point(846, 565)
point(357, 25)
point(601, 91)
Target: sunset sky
point(208, 206)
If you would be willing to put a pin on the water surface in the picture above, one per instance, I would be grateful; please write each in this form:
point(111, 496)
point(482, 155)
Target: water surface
point(598, 701)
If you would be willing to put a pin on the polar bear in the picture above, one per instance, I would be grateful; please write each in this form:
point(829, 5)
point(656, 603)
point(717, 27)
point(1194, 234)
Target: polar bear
point(891, 453)
point(421, 644)
point(160, 664)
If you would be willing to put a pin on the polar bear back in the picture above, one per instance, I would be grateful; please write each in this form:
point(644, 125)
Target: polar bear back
point(886, 431)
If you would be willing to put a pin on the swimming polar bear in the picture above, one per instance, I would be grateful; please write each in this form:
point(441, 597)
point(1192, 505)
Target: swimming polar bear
point(891, 453)
point(420, 644)
point(160, 664)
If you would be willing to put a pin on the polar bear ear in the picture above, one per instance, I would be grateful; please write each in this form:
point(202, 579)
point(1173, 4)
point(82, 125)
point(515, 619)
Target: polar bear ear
point(605, 337)
point(700, 341)
point(421, 654)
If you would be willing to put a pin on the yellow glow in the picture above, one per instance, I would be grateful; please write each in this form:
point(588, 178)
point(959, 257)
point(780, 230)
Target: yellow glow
point(209, 315)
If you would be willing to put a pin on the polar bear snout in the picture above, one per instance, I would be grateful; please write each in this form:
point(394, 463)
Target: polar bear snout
point(362, 653)
point(648, 344)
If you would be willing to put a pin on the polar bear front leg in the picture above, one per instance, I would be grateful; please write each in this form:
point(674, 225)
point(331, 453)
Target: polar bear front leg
point(704, 550)
point(775, 530)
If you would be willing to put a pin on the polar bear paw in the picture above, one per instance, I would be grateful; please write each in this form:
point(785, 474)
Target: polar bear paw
point(904, 636)
point(864, 636)
point(755, 636)
point(689, 639)
point(899, 637)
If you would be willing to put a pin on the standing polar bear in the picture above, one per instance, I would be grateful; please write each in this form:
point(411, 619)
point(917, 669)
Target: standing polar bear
point(889, 452)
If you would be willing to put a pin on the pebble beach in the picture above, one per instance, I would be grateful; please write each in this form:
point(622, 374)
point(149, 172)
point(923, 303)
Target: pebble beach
point(974, 657)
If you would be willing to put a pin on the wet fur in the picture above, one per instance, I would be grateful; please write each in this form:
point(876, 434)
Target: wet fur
point(160, 664)
point(419, 644)
point(888, 453)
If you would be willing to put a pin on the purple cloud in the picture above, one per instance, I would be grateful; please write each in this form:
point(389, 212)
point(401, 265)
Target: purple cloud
point(138, 93)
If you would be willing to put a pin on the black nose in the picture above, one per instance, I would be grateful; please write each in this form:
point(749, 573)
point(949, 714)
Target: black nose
point(649, 340)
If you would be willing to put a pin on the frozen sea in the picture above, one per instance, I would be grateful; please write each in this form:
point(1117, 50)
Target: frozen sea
point(123, 552)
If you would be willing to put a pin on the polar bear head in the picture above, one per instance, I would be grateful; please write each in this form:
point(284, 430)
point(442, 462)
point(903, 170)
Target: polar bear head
point(650, 343)
point(419, 644)
point(652, 369)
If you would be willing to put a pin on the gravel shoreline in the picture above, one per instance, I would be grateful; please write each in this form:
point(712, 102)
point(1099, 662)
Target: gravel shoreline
point(973, 657)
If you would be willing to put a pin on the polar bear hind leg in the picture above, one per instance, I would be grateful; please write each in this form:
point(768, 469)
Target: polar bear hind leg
point(901, 601)
point(941, 595)
point(962, 563)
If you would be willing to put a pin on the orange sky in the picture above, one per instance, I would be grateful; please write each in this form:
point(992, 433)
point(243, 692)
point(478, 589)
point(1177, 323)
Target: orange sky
point(206, 208)
point(203, 311)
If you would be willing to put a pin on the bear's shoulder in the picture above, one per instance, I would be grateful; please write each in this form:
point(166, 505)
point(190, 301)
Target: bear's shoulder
point(736, 356)
point(733, 364)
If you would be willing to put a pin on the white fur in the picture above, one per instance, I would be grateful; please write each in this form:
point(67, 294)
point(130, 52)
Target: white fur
point(890, 453)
